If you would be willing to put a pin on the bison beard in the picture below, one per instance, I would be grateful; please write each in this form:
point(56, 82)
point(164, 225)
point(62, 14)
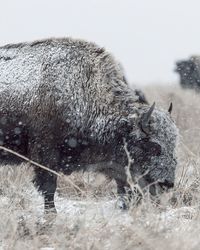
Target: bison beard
point(65, 104)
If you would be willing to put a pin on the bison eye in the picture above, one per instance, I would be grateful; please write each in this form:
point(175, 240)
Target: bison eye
point(153, 149)
point(149, 148)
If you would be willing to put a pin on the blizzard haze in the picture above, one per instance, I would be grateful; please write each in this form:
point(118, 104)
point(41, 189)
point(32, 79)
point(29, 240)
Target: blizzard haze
point(147, 37)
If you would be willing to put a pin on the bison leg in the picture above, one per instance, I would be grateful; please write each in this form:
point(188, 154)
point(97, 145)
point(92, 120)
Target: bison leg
point(126, 195)
point(46, 183)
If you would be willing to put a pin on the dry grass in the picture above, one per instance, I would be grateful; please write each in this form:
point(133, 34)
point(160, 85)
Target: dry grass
point(91, 220)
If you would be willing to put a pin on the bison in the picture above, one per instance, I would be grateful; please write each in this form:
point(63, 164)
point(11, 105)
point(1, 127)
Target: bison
point(64, 103)
point(189, 71)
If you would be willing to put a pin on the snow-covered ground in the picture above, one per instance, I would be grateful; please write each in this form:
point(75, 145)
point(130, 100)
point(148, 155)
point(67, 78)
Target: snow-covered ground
point(90, 223)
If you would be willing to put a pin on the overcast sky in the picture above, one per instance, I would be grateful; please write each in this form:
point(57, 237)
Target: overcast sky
point(146, 36)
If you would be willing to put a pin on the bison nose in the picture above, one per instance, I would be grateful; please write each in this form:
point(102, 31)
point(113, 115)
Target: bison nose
point(166, 184)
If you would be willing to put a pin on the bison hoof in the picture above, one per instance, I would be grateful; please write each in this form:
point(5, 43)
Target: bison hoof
point(50, 215)
point(49, 210)
point(123, 203)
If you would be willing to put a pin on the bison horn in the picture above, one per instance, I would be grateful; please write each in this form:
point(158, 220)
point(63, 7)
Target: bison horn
point(146, 117)
point(170, 108)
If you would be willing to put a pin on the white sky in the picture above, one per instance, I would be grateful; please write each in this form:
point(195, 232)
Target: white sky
point(147, 36)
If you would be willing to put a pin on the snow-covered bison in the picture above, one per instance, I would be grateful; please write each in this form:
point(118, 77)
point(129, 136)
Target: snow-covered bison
point(189, 72)
point(64, 103)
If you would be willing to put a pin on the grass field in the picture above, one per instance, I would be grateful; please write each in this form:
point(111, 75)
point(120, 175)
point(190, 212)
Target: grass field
point(90, 220)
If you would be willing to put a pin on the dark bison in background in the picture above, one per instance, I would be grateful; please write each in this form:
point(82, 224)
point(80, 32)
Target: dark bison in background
point(189, 72)
point(64, 103)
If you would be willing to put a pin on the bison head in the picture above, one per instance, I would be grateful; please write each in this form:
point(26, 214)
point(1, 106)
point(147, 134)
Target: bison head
point(189, 72)
point(152, 147)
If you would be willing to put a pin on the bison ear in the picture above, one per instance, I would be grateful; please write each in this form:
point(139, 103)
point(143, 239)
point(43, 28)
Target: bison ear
point(170, 108)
